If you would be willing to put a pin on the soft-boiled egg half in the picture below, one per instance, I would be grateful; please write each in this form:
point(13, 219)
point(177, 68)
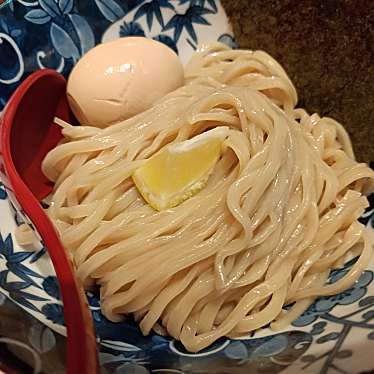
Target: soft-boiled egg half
point(119, 79)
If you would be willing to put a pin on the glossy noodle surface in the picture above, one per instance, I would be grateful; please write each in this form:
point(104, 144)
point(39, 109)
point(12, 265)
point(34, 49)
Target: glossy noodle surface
point(279, 211)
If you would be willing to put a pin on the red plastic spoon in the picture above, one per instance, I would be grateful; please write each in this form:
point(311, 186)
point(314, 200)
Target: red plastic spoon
point(27, 134)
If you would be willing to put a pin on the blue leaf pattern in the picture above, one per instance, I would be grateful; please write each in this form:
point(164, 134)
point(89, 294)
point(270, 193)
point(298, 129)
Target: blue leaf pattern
point(3, 194)
point(20, 256)
point(194, 14)
point(14, 261)
point(327, 337)
point(236, 351)
point(168, 41)
point(72, 35)
point(327, 304)
point(368, 315)
point(6, 246)
point(131, 29)
point(84, 32)
point(20, 299)
point(153, 8)
point(29, 296)
point(318, 328)
point(110, 10)
point(201, 3)
point(191, 31)
point(369, 300)
point(16, 293)
point(51, 286)
point(228, 40)
point(36, 256)
point(37, 16)
point(16, 33)
point(4, 25)
point(175, 23)
point(271, 347)
point(22, 271)
point(51, 7)
point(15, 286)
point(213, 4)
point(149, 20)
point(66, 6)
point(63, 43)
point(54, 312)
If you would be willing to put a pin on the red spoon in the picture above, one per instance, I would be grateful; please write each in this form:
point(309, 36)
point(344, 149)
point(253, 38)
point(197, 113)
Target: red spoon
point(27, 134)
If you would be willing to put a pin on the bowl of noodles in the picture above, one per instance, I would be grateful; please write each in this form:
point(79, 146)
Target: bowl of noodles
point(257, 259)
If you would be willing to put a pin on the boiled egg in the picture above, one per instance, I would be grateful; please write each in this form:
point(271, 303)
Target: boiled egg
point(119, 79)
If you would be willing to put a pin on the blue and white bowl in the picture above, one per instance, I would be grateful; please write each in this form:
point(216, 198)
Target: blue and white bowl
point(335, 333)
point(36, 34)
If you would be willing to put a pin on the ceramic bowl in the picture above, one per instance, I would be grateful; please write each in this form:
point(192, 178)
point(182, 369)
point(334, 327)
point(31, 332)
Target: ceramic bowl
point(335, 333)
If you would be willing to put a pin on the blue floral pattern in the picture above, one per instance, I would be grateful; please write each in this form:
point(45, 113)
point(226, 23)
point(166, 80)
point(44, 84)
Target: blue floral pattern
point(16, 291)
point(326, 304)
point(14, 263)
point(153, 9)
point(51, 287)
point(110, 10)
point(55, 34)
point(194, 15)
point(131, 29)
point(70, 33)
point(124, 347)
point(320, 316)
point(53, 312)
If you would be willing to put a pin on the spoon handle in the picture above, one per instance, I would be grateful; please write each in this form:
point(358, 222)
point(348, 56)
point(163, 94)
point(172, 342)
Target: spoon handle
point(81, 342)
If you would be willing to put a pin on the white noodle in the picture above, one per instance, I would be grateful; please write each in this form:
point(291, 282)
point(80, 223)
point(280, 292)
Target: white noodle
point(278, 213)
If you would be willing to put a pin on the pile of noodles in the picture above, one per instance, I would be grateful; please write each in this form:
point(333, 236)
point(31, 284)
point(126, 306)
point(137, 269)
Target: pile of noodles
point(279, 211)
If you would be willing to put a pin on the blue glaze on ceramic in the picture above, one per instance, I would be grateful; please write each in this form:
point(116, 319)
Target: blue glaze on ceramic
point(56, 33)
point(124, 347)
point(36, 34)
